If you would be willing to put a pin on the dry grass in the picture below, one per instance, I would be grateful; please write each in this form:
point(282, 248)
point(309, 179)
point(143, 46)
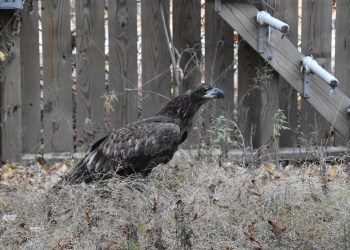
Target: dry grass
point(187, 205)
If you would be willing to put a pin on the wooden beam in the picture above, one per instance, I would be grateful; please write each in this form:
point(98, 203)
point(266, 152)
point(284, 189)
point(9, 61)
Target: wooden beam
point(284, 57)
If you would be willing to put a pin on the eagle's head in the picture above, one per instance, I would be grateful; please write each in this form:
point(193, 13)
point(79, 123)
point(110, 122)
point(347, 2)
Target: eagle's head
point(204, 93)
point(186, 105)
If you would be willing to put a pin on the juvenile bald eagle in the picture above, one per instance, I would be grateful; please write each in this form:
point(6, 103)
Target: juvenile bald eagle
point(142, 145)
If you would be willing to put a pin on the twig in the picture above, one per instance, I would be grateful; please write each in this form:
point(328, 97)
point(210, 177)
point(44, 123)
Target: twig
point(148, 92)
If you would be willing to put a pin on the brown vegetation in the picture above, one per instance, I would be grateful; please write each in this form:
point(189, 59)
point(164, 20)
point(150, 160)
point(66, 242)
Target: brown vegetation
point(187, 204)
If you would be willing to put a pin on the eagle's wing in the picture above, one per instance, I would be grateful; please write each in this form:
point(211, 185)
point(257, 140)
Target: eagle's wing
point(136, 142)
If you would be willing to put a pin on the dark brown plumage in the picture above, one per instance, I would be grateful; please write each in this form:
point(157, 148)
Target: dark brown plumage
point(144, 144)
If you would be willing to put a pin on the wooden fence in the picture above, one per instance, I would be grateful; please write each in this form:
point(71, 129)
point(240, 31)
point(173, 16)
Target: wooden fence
point(72, 70)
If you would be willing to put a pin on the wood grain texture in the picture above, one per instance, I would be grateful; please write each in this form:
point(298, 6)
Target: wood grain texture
point(257, 97)
point(122, 25)
point(187, 40)
point(342, 52)
point(219, 61)
point(263, 86)
point(30, 79)
point(316, 41)
point(10, 90)
point(287, 11)
point(247, 92)
point(58, 131)
point(286, 61)
point(155, 59)
point(91, 85)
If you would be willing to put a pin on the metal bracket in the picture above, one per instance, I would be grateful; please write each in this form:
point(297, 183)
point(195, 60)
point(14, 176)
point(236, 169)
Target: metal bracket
point(306, 89)
point(217, 5)
point(262, 32)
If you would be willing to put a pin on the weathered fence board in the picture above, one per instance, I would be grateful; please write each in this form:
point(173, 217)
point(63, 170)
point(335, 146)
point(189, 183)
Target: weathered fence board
point(10, 88)
point(262, 83)
point(317, 41)
point(247, 92)
point(155, 58)
point(288, 12)
point(187, 40)
point(30, 79)
point(286, 61)
point(342, 52)
point(58, 129)
point(91, 85)
point(219, 60)
point(123, 78)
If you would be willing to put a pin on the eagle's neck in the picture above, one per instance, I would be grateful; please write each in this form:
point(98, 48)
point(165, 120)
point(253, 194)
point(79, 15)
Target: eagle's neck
point(181, 107)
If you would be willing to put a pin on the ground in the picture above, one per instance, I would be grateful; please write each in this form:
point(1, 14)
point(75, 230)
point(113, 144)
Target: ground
point(187, 204)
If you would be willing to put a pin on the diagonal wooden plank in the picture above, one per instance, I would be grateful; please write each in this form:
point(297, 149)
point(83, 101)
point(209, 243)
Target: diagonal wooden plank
point(284, 57)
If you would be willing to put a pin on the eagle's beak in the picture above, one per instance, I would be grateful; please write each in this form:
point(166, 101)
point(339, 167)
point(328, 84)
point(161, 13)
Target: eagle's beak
point(214, 93)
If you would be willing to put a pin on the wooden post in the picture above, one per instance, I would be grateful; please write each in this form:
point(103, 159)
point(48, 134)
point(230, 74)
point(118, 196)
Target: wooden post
point(10, 87)
point(342, 55)
point(156, 84)
point(91, 86)
point(316, 40)
point(122, 28)
point(57, 68)
point(30, 78)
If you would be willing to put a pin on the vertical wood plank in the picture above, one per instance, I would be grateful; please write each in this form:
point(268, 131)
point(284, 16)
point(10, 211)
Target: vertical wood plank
point(90, 71)
point(30, 78)
point(342, 52)
point(316, 40)
point(58, 132)
point(247, 91)
point(257, 96)
point(287, 11)
point(219, 61)
point(187, 40)
point(155, 58)
point(122, 25)
point(10, 88)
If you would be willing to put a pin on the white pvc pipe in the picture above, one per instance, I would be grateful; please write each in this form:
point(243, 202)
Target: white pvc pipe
point(311, 65)
point(265, 18)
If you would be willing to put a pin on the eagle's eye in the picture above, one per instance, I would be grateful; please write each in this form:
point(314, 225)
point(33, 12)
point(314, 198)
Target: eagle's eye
point(205, 89)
